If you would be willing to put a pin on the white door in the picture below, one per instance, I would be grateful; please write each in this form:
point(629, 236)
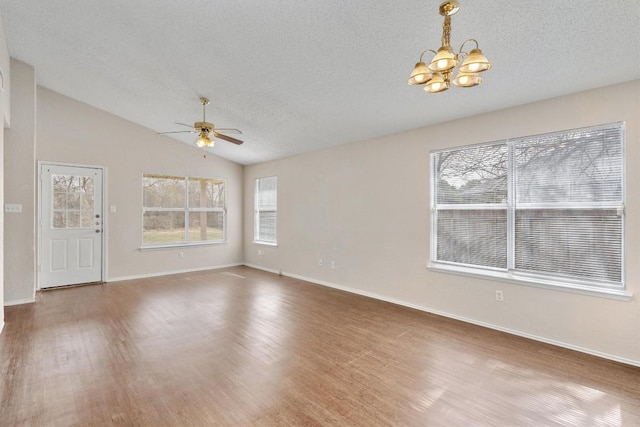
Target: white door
point(71, 220)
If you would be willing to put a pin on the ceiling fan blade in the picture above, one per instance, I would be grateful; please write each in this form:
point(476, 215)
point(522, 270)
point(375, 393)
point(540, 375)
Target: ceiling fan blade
point(184, 124)
point(227, 138)
point(229, 130)
point(177, 131)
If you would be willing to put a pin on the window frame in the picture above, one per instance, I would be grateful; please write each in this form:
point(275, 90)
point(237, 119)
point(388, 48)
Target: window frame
point(510, 274)
point(186, 209)
point(257, 210)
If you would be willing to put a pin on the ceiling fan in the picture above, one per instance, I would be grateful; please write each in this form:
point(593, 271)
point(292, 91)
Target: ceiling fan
point(206, 130)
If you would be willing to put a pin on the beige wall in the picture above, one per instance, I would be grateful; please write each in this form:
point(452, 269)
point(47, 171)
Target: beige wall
point(19, 152)
point(72, 132)
point(5, 114)
point(366, 206)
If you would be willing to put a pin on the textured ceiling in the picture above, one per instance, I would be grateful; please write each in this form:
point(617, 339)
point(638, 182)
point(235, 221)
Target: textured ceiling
point(300, 75)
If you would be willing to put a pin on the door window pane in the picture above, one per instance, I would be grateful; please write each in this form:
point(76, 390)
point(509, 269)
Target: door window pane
point(72, 204)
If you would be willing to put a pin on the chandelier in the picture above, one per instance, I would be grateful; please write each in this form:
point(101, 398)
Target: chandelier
point(437, 75)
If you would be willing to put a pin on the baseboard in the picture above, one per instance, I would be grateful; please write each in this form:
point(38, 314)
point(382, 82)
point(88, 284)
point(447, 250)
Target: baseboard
point(167, 273)
point(456, 317)
point(259, 267)
point(19, 301)
point(1, 326)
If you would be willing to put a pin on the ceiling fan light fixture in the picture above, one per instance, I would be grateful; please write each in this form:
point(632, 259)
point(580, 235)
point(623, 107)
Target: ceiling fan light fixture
point(204, 140)
point(206, 130)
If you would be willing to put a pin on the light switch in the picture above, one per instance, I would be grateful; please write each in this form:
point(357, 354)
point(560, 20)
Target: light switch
point(112, 208)
point(13, 208)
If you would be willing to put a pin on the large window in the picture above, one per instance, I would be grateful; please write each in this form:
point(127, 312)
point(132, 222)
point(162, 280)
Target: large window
point(182, 210)
point(547, 208)
point(266, 210)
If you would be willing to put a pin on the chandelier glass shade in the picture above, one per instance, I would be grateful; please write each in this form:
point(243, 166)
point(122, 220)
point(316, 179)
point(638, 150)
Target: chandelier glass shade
point(436, 75)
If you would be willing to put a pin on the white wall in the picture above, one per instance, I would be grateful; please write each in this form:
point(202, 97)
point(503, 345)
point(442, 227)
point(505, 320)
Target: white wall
point(366, 206)
point(19, 161)
point(5, 116)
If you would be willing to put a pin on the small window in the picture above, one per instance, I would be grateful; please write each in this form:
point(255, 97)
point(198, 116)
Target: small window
point(547, 207)
point(266, 210)
point(182, 210)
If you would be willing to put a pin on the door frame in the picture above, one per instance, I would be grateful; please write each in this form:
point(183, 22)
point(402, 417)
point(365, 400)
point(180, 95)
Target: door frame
point(41, 165)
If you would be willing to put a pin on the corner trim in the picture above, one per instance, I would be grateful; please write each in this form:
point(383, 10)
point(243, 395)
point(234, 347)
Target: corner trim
point(456, 317)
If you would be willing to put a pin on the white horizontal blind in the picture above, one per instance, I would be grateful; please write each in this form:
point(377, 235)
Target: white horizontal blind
point(579, 167)
point(549, 205)
point(473, 237)
point(572, 243)
point(471, 206)
point(568, 218)
point(266, 209)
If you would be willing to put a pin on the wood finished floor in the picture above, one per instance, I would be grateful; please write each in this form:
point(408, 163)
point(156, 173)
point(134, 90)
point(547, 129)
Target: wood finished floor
point(241, 347)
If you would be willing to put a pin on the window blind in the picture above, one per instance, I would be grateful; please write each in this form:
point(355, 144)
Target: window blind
point(569, 200)
point(266, 209)
point(471, 194)
point(547, 205)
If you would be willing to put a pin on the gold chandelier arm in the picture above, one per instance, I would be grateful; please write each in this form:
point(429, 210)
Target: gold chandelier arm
point(465, 42)
point(425, 51)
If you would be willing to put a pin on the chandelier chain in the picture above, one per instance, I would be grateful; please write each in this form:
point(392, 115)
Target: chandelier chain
point(446, 32)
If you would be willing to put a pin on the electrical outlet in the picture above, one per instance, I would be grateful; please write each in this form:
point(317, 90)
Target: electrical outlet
point(260, 252)
point(499, 296)
point(320, 262)
point(181, 254)
point(13, 208)
point(333, 265)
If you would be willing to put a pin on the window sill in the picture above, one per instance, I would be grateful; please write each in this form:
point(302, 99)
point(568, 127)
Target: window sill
point(500, 276)
point(258, 242)
point(180, 245)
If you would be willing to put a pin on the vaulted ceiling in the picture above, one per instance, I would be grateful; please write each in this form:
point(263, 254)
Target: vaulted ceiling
point(300, 75)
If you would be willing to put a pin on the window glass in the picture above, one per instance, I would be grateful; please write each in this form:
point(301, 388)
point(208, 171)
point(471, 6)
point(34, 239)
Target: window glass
point(266, 210)
point(182, 210)
point(72, 201)
point(548, 206)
